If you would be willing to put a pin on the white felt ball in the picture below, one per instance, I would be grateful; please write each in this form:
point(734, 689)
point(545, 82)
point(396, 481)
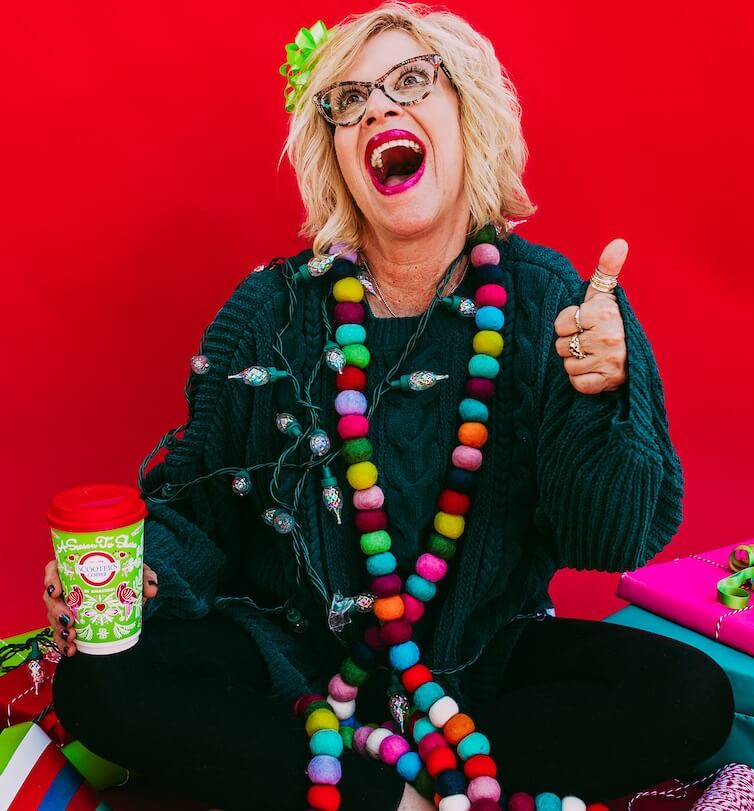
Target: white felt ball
point(375, 739)
point(455, 802)
point(442, 711)
point(342, 709)
point(571, 803)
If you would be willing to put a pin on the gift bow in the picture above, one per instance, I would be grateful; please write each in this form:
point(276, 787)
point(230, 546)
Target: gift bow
point(298, 66)
point(730, 590)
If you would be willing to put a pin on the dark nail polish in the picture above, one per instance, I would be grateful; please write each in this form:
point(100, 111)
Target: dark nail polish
point(50, 588)
point(152, 582)
point(64, 619)
point(65, 633)
point(65, 650)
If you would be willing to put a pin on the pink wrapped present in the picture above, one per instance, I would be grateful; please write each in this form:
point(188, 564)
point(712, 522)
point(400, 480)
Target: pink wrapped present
point(685, 591)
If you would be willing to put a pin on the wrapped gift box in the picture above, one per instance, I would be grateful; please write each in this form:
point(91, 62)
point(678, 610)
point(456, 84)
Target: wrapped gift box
point(19, 700)
point(34, 774)
point(739, 748)
point(684, 591)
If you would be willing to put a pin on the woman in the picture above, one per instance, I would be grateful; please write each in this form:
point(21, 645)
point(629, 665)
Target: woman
point(411, 149)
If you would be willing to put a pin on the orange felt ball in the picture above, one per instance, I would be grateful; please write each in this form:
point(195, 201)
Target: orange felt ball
point(440, 759)
point(389, 608)
point(473, 434)
point(457, 727)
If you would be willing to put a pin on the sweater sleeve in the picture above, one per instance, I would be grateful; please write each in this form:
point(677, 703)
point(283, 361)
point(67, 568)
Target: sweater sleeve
point(610, 482)
point(186, 545)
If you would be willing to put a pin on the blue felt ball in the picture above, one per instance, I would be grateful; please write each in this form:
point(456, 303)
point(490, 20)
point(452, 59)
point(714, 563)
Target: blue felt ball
point(463, 481)
point(380, 564)
point(483, 366)
point(423, 727)
point(405, 655)
point(547, 801)
point(363, 656)
point(421, 588)
point(471, 410)
point(490, 318)
point(326, 742)
point(450, 782)
point(350, 722)
point(408, 766)
point(340, 269)
point(426, 695)
point(350, 334)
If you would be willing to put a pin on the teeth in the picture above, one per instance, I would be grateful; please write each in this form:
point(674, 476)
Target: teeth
point(377, 154)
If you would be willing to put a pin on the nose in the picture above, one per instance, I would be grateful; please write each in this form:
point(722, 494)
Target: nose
point(379, 107)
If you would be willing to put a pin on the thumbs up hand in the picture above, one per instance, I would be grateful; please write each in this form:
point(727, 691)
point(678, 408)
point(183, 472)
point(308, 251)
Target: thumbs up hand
point(602, 338)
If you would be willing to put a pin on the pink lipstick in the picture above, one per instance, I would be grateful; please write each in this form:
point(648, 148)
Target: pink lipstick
point(395, 160)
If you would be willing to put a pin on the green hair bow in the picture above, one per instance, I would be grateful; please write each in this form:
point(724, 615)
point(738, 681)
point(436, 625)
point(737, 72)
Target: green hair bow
point(298, 67)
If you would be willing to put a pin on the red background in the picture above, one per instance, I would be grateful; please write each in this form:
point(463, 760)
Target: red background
point(139, 184)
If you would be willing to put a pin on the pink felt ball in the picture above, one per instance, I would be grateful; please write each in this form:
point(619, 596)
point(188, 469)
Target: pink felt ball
point(491, 805)
point(430, 567)
point(413, 609)
point(480, 388)
point(341, 691)
point(520, 801)
point(349, 312)
point(466, 457)
point(484, 254)
point(350, 402)
point(392, 748)
point(373, 638)
point(491, 295)
point(370, 499)
point(386, 585)
point(483, 788)
point(360, 738)
point(430, 742)
point(370, 520)
point(397, 631)
point(353, 426)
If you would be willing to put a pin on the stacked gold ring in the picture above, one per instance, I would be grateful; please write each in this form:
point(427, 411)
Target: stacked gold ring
point(602, 282)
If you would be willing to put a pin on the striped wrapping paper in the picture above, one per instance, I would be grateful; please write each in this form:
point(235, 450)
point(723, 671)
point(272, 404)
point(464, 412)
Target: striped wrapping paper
point(35, 775)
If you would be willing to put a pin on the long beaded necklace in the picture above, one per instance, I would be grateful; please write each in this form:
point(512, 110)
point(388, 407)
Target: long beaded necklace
point(443, 733)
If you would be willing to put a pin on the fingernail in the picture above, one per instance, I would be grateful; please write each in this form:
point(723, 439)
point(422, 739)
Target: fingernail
point(152, 582)
point(65, 649)
point(64, 619)
point(65, 633)
point(50, 588)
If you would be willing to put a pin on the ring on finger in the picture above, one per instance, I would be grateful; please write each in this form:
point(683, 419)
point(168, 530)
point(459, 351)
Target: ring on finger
point(574, 347)
point(577, 317)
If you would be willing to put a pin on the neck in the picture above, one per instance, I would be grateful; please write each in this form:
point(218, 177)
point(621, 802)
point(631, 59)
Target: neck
point(407, 270)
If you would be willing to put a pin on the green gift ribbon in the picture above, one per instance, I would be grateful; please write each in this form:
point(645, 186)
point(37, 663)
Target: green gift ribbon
point(730, 590)
point(298, 67)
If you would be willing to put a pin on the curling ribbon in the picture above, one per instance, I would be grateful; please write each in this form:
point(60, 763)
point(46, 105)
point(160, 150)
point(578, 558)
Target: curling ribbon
point(732, 790)
point(730, 590)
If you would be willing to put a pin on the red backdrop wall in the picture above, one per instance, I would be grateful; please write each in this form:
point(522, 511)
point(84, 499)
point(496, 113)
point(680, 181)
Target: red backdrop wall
point(139, 184)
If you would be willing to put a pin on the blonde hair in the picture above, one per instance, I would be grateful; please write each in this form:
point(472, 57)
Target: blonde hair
point(490, 117)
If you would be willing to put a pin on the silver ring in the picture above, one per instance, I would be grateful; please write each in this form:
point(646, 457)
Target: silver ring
point(574, 347)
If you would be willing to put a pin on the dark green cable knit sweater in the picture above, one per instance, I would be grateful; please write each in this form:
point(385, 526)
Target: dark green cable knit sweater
point(568, 479)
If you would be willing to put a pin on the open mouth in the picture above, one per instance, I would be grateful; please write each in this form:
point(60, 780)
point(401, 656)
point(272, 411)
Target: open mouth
point(395, 161)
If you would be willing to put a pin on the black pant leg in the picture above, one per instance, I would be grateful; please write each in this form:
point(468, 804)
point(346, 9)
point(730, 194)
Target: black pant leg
point(600, 710)
point(190, 705)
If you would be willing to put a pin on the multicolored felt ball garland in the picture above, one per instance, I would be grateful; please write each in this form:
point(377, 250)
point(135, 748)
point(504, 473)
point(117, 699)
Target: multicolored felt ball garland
point(443, 733)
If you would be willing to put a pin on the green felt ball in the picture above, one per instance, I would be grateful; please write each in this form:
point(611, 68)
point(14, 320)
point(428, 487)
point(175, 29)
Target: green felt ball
point(372, 543)
point(441, 546)
point(347, 734)
point(316, 705)
point(486, 234)
point(353, 674)
point(356, 355)
point(357, 450)
point(424, 784)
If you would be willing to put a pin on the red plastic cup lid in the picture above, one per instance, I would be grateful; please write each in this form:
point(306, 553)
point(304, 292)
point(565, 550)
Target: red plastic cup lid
point(93, 507)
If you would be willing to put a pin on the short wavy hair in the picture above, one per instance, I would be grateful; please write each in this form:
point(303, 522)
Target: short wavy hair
point(495, 152)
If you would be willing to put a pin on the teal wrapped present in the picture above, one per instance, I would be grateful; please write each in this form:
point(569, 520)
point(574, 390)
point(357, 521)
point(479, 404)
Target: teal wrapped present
point(739, 748)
